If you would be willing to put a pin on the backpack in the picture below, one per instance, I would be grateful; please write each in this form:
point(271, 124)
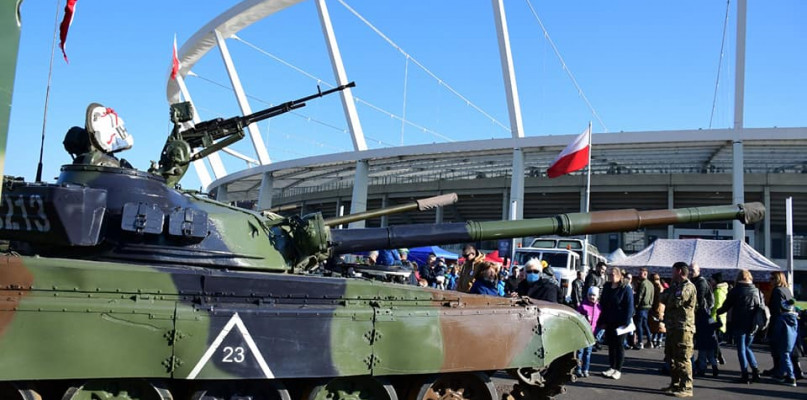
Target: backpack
point(762, 315)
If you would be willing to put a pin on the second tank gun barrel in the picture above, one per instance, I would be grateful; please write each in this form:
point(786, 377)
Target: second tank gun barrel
point(352, 240)
point(419, 205)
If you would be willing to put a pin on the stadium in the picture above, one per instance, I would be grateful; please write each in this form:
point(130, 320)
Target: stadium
point(502, 178)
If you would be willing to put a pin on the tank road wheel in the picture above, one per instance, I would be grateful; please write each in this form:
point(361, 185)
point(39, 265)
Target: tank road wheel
point(11, 391)
point(117, 390)
point(465, 386)
point(550, 383)
point(353, 388)
point(240, 390)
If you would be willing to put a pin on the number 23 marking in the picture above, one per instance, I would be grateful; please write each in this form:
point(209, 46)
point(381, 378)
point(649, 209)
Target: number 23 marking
point(233, 354)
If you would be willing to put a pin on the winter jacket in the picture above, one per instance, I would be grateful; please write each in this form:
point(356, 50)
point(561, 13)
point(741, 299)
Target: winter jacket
point(468, 272)
point(721, 290)
point(577, 292)
point(591, 312)
point(617, 306)
point(742, 300)
point(781, 301)
point(644, 294)
point(705, 296)
point(482, 286)
point(543, 289)
point(656, 321)
point(593, 279)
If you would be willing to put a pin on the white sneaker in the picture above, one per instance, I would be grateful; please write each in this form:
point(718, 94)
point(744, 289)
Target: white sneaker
point(607, 373)
point(615, 375)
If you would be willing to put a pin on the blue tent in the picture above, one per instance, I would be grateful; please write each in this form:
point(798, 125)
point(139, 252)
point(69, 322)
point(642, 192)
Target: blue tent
point(420, 254)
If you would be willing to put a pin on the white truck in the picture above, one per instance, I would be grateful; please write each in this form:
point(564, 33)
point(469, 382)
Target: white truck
point(564, 255)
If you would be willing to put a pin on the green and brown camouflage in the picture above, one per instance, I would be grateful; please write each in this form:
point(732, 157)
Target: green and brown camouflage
point(116, 276)
point(120, 286)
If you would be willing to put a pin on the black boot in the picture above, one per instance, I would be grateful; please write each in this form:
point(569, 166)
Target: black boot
point(714, 371)
point(744, 378)
point(754, 374)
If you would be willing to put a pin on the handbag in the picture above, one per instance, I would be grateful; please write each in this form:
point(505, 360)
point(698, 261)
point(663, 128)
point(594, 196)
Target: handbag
point(762, 316)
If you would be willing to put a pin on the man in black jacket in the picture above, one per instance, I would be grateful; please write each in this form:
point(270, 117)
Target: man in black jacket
point(577, 290)
point(537, 285)
point(705, 338)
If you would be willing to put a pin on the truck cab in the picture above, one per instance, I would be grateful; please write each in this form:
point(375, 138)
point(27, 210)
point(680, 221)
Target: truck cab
point(565, 264)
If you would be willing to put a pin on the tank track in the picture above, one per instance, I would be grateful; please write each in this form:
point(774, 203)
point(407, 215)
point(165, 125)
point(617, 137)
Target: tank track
point(556, 376)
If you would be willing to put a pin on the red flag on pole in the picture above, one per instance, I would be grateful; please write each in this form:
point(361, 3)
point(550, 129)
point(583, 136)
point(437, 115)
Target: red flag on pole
point(574, 157)
point(69, 9)
point(174, 61)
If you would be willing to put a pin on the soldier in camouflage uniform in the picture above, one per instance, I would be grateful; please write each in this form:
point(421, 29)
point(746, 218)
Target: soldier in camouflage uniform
point(679, 318)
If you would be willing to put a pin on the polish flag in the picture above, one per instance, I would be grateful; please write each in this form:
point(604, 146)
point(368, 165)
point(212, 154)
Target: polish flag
point(174, 61)
point(574, 157)
point(69, 9)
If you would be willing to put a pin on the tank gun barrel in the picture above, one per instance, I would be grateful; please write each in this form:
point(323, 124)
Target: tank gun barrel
point(419, 205)
point(351, 240)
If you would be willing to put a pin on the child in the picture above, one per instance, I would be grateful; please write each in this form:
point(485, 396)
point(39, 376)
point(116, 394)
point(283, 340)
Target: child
point(590, 309)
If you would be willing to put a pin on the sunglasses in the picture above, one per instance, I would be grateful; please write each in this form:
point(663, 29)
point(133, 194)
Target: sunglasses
point(533, 272)
point(469, 255)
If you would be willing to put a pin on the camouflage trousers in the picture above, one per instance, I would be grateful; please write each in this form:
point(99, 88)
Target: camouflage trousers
point(678, 350)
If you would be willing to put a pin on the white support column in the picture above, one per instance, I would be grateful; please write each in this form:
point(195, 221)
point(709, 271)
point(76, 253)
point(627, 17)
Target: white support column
point(348, 105)
point(265, 193)
point(766, 198)
point(214, 159)
point(240, 96)
point(358, 202)
point(670, 205)
point(517, 185)
point(738, 170)
point(221, 194)
point(508, 71)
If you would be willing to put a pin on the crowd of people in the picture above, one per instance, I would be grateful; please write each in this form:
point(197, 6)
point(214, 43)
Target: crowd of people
point(687, 313)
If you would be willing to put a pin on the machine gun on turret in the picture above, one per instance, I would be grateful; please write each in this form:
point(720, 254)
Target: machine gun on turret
point(213, 135)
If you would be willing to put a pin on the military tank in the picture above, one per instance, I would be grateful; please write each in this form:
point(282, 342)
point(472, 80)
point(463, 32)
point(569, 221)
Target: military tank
point(117, 284)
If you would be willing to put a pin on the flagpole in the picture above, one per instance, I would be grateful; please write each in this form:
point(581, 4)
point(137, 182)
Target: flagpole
point(47, 96)
point(588, 196)
point(588, 172)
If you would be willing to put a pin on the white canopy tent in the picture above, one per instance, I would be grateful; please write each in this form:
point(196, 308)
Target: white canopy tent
point(726, 256)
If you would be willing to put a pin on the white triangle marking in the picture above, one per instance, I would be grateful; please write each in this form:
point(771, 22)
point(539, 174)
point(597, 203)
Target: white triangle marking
point(234, 321)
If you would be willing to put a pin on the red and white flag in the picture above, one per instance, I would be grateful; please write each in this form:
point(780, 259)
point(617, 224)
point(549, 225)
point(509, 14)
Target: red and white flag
point(69, 9)
point(574, 157)
point(174, 61)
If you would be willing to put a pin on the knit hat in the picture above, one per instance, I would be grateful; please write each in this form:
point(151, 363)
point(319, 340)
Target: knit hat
point(594, 290)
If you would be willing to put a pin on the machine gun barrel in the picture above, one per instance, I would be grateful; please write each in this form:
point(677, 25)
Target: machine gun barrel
point(351, 240)
point(217, 128)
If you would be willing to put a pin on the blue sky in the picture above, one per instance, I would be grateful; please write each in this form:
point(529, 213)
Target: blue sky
point(643, 65)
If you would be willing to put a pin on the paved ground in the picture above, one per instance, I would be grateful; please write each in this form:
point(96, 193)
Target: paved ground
point(641, 379)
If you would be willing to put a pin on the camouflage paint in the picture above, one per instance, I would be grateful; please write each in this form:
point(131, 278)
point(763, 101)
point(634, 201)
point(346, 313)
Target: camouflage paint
point(9, 43)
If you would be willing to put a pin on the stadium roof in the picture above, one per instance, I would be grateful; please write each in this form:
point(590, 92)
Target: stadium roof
point(766, 150)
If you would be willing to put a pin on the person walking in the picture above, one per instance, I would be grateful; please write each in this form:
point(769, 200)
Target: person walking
point(720, 290)
point(705, 338)
point(783, 329)
point(679, 318)
point(577, 290)
point(656, 321)
point(590, 310)
point(644, 302)
point(617, 314)
point(742, 300)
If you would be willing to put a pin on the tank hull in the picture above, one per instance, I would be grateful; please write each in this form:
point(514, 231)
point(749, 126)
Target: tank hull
point(71, 319)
